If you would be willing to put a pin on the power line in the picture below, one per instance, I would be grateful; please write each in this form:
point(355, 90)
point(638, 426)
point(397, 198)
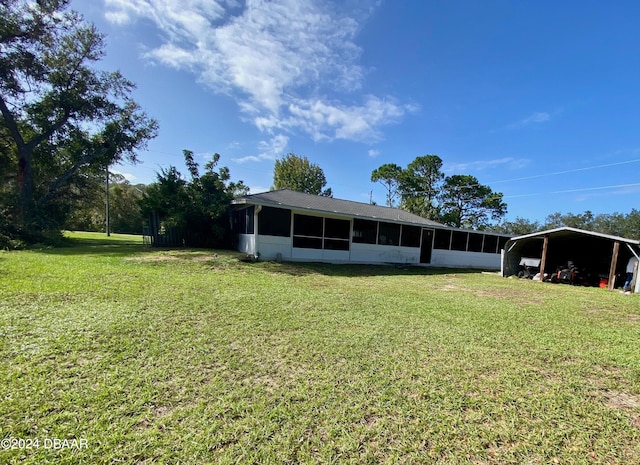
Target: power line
point(576, 170)
point(567, 191)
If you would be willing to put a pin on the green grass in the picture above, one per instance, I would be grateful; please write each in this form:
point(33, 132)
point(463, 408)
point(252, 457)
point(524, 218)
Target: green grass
point(195, 356)
point(96, 239)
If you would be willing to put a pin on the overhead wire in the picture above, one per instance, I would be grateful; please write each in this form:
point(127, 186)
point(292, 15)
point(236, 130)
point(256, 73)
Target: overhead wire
point(568, 191)
point(576, 170)
point(556, 173)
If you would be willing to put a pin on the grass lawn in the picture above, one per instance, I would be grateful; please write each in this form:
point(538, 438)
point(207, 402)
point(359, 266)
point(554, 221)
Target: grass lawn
point(151, 356)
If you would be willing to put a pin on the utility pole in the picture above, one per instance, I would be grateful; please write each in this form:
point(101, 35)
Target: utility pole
point(108, 226)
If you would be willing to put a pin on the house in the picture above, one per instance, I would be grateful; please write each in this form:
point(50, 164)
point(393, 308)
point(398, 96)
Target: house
point(600, 259)
point(294, 226)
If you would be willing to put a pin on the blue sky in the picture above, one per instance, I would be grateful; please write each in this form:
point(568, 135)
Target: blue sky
point(537, 99)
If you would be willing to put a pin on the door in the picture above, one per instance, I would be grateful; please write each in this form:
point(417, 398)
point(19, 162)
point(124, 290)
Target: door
point(426, 245)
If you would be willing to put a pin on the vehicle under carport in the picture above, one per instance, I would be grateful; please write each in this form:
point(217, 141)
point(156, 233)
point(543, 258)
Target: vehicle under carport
point(599, 259)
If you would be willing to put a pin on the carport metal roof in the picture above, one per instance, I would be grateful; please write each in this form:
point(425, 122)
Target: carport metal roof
point(567, 231)
point(568, 234)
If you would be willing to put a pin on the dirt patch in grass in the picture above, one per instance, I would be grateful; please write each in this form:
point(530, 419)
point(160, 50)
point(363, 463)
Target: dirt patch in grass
point(615, 312)
point(629, 403)
point(504, 294)
point(519, 296)
point(171, 257)
point(601, 310)
point(452, 287)
point(621, 400)
point(616, 399)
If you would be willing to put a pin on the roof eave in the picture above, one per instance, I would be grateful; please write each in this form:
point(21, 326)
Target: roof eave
point(247, 201)
point(541, 235)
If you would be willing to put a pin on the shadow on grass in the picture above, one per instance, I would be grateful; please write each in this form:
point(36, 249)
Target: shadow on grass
point(122, 248)
point(88, 247)
point(119, 247)
point(359, 270)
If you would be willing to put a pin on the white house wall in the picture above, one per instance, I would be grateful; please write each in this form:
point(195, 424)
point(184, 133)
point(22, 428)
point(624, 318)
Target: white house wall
point(332, 256)
point(246, 244)
point(371, 253)
point(274, 248)
point(459, 259)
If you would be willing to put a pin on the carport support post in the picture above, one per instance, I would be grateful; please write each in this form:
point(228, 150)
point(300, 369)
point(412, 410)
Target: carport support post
point(614, 264)
point(543, 260)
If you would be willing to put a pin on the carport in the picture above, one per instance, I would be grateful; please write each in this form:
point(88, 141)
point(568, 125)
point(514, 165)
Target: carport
point(601, 258)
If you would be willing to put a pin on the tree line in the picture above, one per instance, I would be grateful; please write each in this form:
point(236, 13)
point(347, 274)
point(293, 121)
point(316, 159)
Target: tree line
point(615, 224)
point(174, 198)
point(420, 188)
point(458, 200)
point(197, 208)
point(423, 189)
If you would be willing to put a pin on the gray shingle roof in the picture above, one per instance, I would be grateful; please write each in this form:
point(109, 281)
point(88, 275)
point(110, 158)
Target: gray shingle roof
point(319, 204)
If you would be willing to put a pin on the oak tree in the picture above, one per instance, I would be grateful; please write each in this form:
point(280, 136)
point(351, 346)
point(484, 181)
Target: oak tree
point(62, 118)
point(299, 174)
point(466, 203)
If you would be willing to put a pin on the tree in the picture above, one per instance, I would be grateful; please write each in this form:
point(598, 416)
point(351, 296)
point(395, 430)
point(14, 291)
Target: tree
point(420, 184)
point(87, 213)
point(124, 209)
point(196, 209)
point(466, 203)
point(616, 224)
point(580, 221)
point(390, 176)
point(519, 227)
point(299, 174)
point(62, 119)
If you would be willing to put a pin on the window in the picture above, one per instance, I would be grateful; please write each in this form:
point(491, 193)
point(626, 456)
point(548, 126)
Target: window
point(442, 239)
point(316, 232)
point(337, 229)
point(475, 242)
point(336, 244)
point(307, 242)
point(336, 234)
point(490, 244)
point(459, 240)
point(274, 222)
point(243, 220)
point(388, 234)
point(307, 231)
point(364, 231)
point(410, 236)
point(305, 225)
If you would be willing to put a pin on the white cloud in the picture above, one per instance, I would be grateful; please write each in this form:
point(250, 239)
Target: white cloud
point(328, 121)
point(268, 150)
point(128, 176)
point(534, 118)
point(258, 189)
point(539, 117)
point(278, 58)
point(373, 153)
